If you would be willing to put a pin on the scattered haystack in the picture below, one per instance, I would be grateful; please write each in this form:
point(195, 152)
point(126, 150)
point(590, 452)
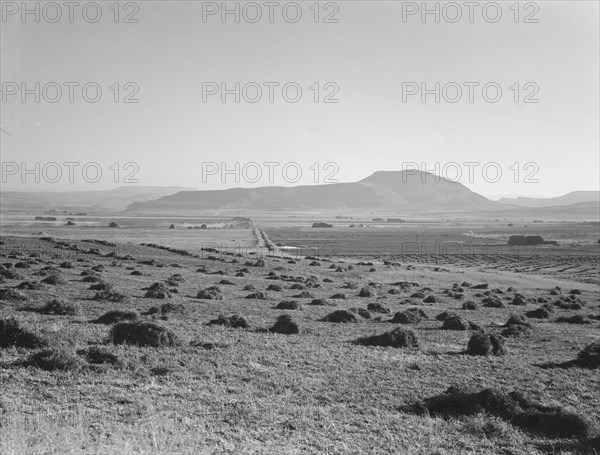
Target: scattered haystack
point(339, 296)
point(289, 305)
point(12, 295)
point(100, 286)
point(485, 344)
point(97, 355)
point(234, 321)
point(12, 333)
point(542, 312)
point(409, 316)
point(367, 292)
point(339, 316)
point(56, 359)
point(111, 296)
point(54, 279)
point(455, 322)
point(30, 285)
point(589, 357)
point(377, 307)
point(514, 407)
point(397, 338)
point(257, 295)
point(575, 319)
point(60, 307)
point(157, 291)
point(285, 325)
point(141, 333)
point(115, 316)
point(212, 293)
point(493, 302)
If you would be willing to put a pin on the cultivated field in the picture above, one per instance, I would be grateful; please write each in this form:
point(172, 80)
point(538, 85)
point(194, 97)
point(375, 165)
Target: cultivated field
point(126, 369)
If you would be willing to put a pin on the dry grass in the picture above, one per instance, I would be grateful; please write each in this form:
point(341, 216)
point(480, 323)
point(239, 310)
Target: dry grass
point(249, 390)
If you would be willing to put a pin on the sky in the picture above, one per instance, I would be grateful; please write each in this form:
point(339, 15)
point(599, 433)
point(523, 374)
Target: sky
point(170, 60)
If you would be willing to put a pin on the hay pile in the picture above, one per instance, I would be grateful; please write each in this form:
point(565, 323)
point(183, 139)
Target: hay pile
point(514, 407)
point(12, 333)
point(397, 338)
point(142, 333)
point(59, 307)
point(486, 344)
point(285, 325)
point(235, 321)
point(339, 316)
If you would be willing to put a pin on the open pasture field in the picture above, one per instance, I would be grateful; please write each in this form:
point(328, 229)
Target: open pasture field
point(479, 245)
point(165, 380)
point(134, 230)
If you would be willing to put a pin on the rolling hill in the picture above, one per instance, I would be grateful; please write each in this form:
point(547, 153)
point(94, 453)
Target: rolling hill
point(381, 190)
point(112, 200)
point(574, 197)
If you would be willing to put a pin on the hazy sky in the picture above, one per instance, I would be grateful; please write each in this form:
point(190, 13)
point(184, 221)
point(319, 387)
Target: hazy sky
point(369, 54)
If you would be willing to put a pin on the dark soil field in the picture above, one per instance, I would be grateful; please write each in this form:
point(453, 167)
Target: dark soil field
point(153, 350)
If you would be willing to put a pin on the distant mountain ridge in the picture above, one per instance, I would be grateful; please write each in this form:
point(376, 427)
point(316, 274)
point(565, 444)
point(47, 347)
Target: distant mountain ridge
point(574, 197)
point(116, 199)
point(408, 190)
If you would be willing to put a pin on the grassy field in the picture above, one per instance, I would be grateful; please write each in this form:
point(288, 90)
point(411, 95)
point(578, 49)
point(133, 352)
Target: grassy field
point(250, 390)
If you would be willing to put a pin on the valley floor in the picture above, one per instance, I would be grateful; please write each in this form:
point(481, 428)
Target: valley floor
point(248, 390)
